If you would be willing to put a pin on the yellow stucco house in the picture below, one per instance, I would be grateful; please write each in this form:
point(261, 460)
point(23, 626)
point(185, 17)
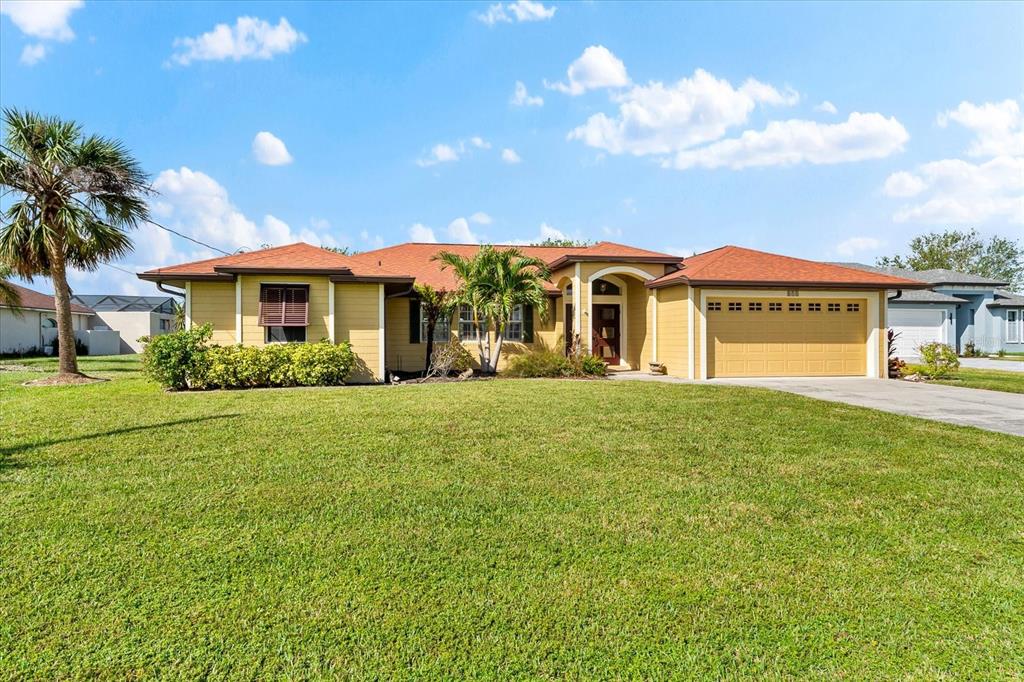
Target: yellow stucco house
point(730, 312)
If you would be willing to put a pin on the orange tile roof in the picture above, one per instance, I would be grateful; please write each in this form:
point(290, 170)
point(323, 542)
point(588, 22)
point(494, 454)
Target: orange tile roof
point(299, 257)
point(735, 265)
point(38, 301)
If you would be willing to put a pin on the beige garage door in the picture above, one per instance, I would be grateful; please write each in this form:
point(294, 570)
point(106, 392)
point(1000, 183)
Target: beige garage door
point(786, 337)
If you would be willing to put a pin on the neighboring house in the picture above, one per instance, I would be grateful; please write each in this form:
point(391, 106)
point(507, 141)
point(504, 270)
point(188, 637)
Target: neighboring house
point(957, 309)
point(727, 312)
point(132, 316)
point(33, 329)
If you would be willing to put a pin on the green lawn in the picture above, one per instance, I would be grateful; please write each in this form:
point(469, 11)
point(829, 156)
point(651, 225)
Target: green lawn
point(990, 379)
point(500, 529)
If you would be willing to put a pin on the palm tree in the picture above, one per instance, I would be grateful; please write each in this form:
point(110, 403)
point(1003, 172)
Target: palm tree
point(436, 305)
point(75, 197)
point(492, 283)
point(9, 296)
point(179, 316)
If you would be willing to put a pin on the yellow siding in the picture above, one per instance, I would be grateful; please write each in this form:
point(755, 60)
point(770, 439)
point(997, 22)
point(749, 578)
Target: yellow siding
point(252, 332)
point(357, 320)
point(673, 317)
point(698, 338)
point(639, 340)
point(214, 303)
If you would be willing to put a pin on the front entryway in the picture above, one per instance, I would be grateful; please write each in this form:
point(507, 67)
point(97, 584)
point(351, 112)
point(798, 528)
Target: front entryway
point(607, 332)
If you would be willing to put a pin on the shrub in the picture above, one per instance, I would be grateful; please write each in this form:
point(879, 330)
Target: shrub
point(939, 360)
point(971, 350)
point(178, 360)
point(321, 364)
point(448, 358)
point(544, 362)
point(591, 365)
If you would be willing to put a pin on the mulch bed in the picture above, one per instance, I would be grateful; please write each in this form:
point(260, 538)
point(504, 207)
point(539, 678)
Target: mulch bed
point(64, 380)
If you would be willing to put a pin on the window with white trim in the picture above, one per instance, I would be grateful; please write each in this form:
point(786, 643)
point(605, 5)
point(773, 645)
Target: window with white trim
point(714, 306)
point(514, 328)
point(468, 331)
point(1013, 326)
point(442, 329)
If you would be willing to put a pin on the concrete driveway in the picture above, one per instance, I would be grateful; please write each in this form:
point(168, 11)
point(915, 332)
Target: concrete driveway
point(988, 363)
point(990, 410)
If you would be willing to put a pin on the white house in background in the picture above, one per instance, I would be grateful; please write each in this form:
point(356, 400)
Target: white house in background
point(132, 316)
point(958, 310)
point(34, 328)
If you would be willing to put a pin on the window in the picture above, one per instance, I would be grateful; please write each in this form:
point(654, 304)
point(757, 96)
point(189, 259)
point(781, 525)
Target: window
point(603, 287)
point(514, 328)
point(853, 307)
point(282, 306)
point(468, 331)
point(814, 307)
point(754, 307)
point(775, 307)
point(1013, 325)
point(834, 307)
point(442, 330)
point(714, 306)
point(165, 325)
point(285, 335)
point(795, 307)
point(735, 306)
point(48, 323)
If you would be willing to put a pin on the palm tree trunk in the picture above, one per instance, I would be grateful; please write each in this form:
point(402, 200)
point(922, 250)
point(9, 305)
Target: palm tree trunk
point(430, 343)
point(68, 363)
point(497, 350)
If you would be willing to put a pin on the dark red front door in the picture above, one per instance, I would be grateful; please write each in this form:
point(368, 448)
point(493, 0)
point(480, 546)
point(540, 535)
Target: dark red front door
point(607, 336)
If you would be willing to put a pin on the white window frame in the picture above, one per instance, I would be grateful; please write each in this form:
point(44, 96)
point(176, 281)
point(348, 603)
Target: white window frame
point(514, 328)
point(1014, 329)
point(442, 330)
point(467, 330)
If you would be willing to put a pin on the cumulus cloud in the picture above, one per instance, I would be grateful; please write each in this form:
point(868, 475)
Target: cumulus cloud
point(520, 10)
point(660, 119)
point(510, 156)
point(522, 98)
point(270, 150)
point(959, 191)
point(32, 54)
point(596, 68)
point(827, 107)
point(458, 231)
point(481, 218)
point(439, 153)
point(479, 142)
point(998, 127)
point(856, 245)
point(44, 20)
point(249, 38)
point(199, 205)
point(421, 233)
point(860, 137)
point(904, 184)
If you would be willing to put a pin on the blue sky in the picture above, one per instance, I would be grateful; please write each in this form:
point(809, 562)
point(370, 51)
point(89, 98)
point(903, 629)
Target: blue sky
point(825, 131)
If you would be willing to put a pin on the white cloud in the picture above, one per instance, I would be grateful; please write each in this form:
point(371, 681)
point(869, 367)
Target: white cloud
point(998, 127)
point(481, 218)
point(479, 142)
point(249, 38)
point(827, 107)
point(855, 245)
point(458, 231)
point(680, 251)
point(510, 156)
point(596, 68)
point(199, 205)
point(522, 98)
point(904, 184)
point(962, 192)
point(270, 150)
point(439, 153)
point(660, 119)
point(45, 20)
point(860, 137)
point(613, 232)
point(520, 10)
point(548, 232)
point(421, 233)
point(375, 241)
point(32, 54)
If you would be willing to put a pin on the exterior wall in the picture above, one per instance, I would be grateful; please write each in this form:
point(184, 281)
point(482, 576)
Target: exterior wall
point(639, 323)
point(673, 334)
point(357, 320)
point(253, 334)
point(639, 339)
point(698, 333)
point(999, 315)
point(132, 325)
point(24, 334)
point(214, 303)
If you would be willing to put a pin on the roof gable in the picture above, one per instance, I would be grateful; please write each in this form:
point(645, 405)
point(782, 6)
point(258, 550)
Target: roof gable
point(39, 301)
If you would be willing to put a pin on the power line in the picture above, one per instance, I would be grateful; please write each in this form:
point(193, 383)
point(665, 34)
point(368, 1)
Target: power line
point(127, 272)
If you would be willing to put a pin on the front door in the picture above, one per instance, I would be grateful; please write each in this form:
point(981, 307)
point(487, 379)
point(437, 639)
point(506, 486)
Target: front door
point(607, 336)
point(570, 333)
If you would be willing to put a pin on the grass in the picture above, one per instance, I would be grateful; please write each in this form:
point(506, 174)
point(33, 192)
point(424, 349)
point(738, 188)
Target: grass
point(989, 379)
point(522, 528)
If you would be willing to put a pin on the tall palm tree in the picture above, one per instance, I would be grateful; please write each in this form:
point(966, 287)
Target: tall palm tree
point(9, 296)
point(75, 197)
point(493, 282)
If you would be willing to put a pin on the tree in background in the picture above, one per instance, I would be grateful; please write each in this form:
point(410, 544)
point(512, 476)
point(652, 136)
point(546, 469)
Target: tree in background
point(9, 296)
point(564, 241)
point(74, 199)
point(179, 316)
point(435, 305)
point(998, 258)
point(492, 283)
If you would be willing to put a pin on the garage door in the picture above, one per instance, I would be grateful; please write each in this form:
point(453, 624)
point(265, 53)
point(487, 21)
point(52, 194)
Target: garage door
point(916, 327)
point(783, 337)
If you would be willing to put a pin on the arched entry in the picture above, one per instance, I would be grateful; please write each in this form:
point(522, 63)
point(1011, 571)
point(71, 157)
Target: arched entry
point(617, 317)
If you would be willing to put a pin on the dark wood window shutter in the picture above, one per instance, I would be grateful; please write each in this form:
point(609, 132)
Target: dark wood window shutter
point(414, 320)
point(284, 306)
point(527, 324)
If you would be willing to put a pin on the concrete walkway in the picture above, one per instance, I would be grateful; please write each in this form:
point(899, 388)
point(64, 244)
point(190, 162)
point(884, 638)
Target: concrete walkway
point(989, 363)
point(989, 410)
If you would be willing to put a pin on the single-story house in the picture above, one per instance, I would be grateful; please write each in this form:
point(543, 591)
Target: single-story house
point(958, 308)
point(725, 313)
point(31, 330)
point(132, 316)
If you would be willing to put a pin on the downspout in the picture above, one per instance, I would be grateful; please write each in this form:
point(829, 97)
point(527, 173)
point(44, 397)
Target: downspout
point(172, 292)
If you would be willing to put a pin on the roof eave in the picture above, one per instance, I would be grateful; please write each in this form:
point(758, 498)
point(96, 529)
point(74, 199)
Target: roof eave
point(588, 258)
point(152, 276)
point(735, 284)
point(380, 279)
point(239, 270)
